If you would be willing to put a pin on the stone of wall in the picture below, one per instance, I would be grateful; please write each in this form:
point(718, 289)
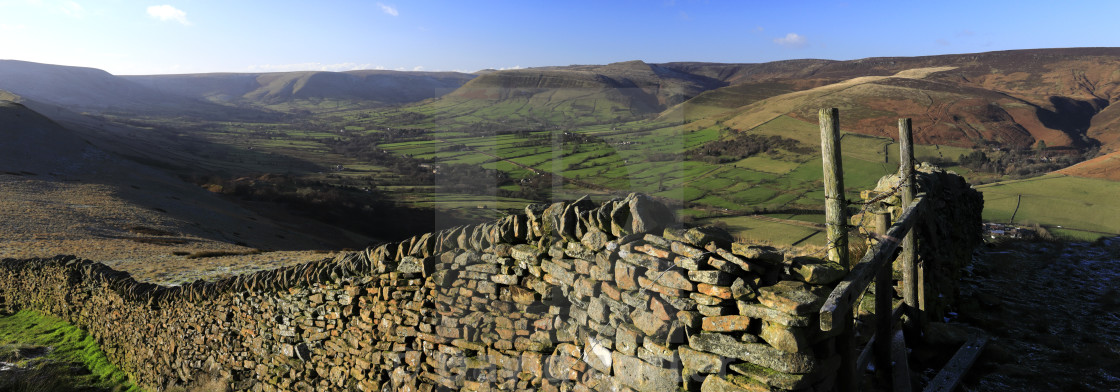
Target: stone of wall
point(564, 297)
point(947, 234)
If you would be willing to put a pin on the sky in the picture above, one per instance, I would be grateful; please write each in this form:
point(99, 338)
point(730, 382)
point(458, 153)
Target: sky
point(127, 37)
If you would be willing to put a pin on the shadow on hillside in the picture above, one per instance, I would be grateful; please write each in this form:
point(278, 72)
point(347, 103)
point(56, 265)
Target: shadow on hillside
point(1071, 116)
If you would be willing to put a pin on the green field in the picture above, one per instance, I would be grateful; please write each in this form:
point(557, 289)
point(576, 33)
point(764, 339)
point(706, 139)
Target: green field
point(781, 234)
point(1080, 207)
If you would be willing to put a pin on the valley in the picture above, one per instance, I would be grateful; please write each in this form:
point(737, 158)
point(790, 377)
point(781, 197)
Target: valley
point(330, 154)
point(183, 179)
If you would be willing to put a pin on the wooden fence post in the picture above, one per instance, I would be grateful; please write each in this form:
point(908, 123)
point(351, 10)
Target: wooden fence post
point(912, 282)
point(835, 210)
point(836, 221)
point(884, 292)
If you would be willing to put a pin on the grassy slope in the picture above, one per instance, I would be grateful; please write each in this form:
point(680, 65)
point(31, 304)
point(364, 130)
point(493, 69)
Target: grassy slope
point(67, 345)
point(1084, 207)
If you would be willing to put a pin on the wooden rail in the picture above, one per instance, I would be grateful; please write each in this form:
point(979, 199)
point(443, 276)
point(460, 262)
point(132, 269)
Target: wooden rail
point(847, 292)
point(879, 255)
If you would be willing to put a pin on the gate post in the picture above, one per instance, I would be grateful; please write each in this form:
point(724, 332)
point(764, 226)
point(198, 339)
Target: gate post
point(913, 292)
point(884, 292)
point(836, 221)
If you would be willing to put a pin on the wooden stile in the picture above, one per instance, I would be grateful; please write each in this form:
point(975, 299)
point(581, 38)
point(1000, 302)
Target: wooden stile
point(847, 292)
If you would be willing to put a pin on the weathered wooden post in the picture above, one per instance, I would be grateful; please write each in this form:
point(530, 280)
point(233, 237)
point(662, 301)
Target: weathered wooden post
point(836, 220)
point(884, 292)
point(835, 211)
point(912, 282)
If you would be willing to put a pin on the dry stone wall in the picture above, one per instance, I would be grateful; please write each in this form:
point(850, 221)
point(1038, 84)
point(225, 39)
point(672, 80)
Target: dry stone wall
point(950, 229)
point(574, 296)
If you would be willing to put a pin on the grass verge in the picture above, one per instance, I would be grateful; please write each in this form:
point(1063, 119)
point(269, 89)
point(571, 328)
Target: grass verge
point(50, 354)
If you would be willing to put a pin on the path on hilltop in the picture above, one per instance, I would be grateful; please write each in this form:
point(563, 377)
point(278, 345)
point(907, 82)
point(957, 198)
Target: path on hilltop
point(1053, 310)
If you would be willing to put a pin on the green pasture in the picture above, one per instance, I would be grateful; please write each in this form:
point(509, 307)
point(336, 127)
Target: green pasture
point(1082, 207)
point(779, 234)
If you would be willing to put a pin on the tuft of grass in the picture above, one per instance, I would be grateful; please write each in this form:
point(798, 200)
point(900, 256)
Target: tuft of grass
point(53, 355)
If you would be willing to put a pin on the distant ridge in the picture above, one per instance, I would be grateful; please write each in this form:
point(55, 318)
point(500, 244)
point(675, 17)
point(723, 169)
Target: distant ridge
point(90, 89)
point(378, 86)
point(1017, 98)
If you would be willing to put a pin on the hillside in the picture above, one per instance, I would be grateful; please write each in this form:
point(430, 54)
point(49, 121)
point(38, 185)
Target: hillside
point(750, 72)
point(1105, 167)
point(94, 90)
point(379, 87)
point(1011, 98)
point(632, 89)
point(583, 93)
point(60, 194)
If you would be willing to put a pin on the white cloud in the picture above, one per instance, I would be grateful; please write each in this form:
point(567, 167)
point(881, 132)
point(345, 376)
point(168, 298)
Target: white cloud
point(168, 13)
point(8, 27)
point(792, 40)
point(71, 8)
point(312, 66)
point(388, 9)
point(418, 68)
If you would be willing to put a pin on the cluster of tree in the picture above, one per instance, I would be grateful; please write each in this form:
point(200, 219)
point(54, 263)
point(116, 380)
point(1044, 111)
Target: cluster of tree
point(363, 211)
point(743, 146)
point(1025, 163)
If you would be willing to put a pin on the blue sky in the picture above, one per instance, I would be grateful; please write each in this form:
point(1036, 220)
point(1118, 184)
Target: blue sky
point(187, 36)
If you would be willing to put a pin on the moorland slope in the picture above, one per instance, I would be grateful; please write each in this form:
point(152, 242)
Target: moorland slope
point(1015, 99)
point(59, 194)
